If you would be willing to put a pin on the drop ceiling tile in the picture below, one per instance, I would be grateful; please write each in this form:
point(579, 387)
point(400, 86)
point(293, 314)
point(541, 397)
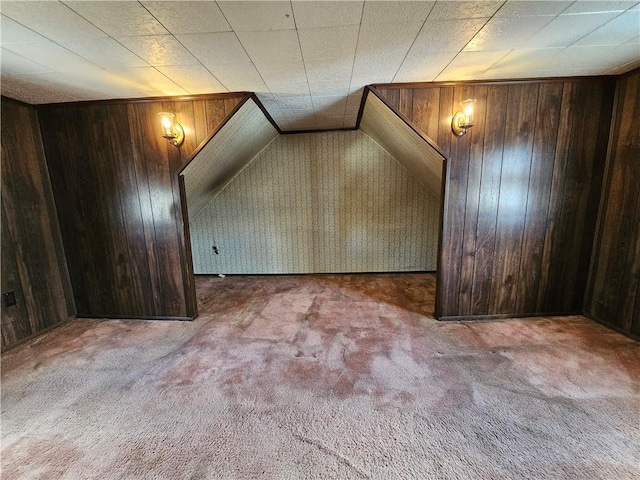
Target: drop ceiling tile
point(456, 10)
point(215, 48)
point(21, 88)
point(329, 88)
point(438, 36)
point(374, 69)
point(329, 44)
point(13, 64)
point(271, 46)
point(407, 13)
point(295, 116)
point(299, 88)
point(159, 50)
point(338, 70)
point(119, 18)
point(509, 32)
point(523, 60)
point(239, 77)
point(194, 79)
point(519, 8)
point(584, 6)
point(105, 52)
point(13, 32)
point(326, 14)
point(329, 103)
point(53, 20)
point(392, 39)
point(619, 30)
point(564, 30)
point(258, 16)
point(577, 57)
point(68, 85)
point(619, 55)
point(294, 102)
point(417, 68)
point(189, 17)
point(470, 65)
point(149, 81)
point(50, 55)
point(282, 73)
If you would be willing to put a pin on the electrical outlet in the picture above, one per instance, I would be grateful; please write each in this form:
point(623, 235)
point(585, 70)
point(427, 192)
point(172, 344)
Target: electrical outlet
point(9, 298)
point(215, 250)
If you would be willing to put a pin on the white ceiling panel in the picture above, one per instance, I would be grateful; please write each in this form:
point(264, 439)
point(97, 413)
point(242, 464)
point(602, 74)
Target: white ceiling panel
point(316, 52)
point(437, 36)
point(189, 17)
point(105, 52)
point(294, 102)
point(150, 81)
point(621, 29)
point(258, 16)
point(584, 6)
point(328, 44)
point(159, 50)
point(520, 8)
point(283, 73)
point(13, 64)
point(406, 13)
point(456, 9)
point(470, 65)
point(393, 39)
point(119, 19)
point(51, 55)
point(313, 14)
point(194, 79)
point(53, 20)
point(564, 30)
point(215, 48)
point(272, 46)
point(13, 32)
point(238, 77)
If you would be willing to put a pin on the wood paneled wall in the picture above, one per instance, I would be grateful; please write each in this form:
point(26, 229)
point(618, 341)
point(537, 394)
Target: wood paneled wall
point(33, 264)
point(115, 184)
point(614, 292)
point(522, 191)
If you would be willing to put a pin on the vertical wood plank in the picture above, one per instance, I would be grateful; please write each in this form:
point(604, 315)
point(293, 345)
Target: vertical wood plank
point(512, 203)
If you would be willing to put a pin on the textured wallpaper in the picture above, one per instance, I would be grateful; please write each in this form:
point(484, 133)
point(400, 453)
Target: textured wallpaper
point(319, 203)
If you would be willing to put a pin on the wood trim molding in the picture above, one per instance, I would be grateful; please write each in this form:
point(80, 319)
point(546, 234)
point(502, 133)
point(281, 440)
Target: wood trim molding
point(266, 114)
point(514, 81)
point(114, 101)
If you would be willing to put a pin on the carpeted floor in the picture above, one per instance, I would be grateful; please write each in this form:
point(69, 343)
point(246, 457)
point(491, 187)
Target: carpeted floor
point(322, 377)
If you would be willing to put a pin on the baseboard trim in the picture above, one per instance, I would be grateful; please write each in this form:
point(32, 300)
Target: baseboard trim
point(613, 327)
point(502, 316)
point(37, 334)
point(134, 317)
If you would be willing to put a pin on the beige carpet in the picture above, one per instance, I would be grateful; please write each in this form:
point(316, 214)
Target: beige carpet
point(322, 377)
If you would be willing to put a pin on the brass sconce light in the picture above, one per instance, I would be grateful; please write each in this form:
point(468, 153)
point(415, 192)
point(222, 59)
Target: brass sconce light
point(171, 130)
point(463, 120)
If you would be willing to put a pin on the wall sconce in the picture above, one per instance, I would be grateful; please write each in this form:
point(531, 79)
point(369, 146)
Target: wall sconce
point(171, 130)
point(462, 121)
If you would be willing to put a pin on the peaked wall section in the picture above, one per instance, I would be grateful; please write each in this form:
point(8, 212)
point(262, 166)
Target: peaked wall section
point(321, 202)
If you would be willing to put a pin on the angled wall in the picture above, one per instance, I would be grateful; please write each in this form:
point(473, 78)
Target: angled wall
point(116, 188)
point(614, 293)
point(33, 264)
point(522, 191)
point(319, 202)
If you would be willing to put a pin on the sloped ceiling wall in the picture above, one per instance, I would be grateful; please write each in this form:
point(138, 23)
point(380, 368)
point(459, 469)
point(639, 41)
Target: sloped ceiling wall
point(235, 144)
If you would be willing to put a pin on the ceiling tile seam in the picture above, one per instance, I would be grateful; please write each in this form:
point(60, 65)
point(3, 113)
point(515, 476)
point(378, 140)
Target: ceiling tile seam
point(46, 69)
point(295, 25)
point(177, 40)
point(551, 18)
point(355, 53)
point(414, 41)
point(344, 111)
point(601, 26)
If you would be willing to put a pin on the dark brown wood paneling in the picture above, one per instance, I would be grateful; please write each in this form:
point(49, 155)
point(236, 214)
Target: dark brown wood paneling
point(114, 178)
point(614, 292)
point(521, 191)
point(32, 260)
